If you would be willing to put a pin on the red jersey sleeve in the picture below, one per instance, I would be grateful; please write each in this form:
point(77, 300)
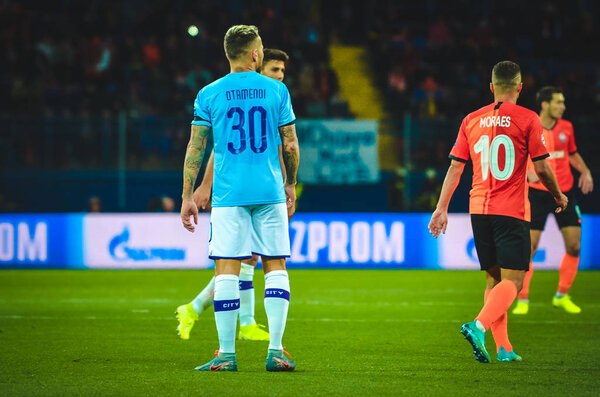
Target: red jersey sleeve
point(460, 151)
point(536, 145)
point(572, 145)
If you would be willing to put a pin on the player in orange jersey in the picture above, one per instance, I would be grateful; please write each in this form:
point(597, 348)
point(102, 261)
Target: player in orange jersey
point(560, 141)
point(498, 139)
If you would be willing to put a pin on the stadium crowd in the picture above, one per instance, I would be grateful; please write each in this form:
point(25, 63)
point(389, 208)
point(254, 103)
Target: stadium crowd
point(73, 71)
point(435, 57)
point(136, 56)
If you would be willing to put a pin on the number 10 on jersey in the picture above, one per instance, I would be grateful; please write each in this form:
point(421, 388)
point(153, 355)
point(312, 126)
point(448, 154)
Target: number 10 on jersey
point(489, 156)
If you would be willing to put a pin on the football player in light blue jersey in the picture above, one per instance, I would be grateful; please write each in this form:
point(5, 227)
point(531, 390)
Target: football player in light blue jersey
point(245, 111)
point(274, 67)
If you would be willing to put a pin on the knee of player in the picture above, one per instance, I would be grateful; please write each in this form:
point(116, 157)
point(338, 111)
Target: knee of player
point(519, 284)
point(517, 280)
point(252, 261)
point(573, 248)
point(491, 281)
point(490, 284)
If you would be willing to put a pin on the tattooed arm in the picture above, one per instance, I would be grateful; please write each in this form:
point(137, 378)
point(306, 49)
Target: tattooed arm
point(291, 159)
point(291, 152)
point(203, 192)
point(193, 160)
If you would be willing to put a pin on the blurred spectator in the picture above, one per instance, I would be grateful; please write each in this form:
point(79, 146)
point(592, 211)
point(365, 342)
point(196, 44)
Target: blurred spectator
point(426, 98)
point(152, 55)
point(429, 193)
point(167, 204)
point(80, 66)
point(108, 59)
point(162, 203)
point(154, 204)
point(439, 34)
point(7, 206)
point(94, 204)
point(396, 190)
point(112, 57)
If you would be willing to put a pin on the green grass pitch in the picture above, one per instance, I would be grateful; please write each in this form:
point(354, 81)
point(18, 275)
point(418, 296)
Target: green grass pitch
point(113, 333)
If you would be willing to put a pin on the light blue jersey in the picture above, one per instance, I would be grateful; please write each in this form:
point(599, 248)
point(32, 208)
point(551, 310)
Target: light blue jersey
point(245, 111)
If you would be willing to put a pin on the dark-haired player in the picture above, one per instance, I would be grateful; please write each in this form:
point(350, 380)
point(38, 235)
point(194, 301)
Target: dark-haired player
point(498, 139)
point(560, 141)
point(273, 66)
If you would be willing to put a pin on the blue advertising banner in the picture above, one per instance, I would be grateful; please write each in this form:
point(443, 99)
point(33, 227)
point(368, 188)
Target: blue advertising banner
point(41, 241)
point(318, 241)
point(361, 241)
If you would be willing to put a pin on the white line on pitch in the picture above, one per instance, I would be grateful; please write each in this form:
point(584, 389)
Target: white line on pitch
point(310, 320)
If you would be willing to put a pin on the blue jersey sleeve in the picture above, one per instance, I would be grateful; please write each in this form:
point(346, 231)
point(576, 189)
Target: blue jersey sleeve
point(201, 112)
point(286, 113)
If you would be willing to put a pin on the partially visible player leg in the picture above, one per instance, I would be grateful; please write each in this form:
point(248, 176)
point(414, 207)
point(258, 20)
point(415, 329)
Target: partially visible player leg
point(512, 240)
point(499, 327)
point(522, 306)
point(500, 298)
point(271, 240)
point(249, 329)
point(505, 241)
point(542, 204)
point(230, 242)
point(247, 298)
point(227, 304)
point(204, 300)
point(188, 314)
point(486, 251)
point(277, 301)
point(568, 269)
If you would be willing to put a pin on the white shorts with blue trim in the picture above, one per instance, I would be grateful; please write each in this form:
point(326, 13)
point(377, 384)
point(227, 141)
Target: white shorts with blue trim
point(239, 232)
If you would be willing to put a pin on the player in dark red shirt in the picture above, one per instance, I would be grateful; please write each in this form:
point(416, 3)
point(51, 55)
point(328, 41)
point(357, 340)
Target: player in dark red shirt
point(560, 141)
point(498, 139)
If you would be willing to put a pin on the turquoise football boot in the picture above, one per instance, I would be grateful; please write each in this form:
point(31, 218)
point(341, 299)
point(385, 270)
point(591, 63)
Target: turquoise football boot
point(477, 339)
point(222, 362)
point(278, 362)
point(505, 356)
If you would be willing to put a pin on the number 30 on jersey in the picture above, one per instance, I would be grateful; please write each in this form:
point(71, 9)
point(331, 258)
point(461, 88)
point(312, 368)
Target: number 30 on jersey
point(240, 127)
point(489, 156)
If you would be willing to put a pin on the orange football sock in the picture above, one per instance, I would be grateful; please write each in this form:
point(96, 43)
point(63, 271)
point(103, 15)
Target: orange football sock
point(498, 302)
point(499, 329)
point(524, 294)
point(568, 271)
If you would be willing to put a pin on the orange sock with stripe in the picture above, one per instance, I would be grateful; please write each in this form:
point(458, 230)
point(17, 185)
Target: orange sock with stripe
point(499, 329)
point(524, 294)
point(498, 302)
point(568, 271)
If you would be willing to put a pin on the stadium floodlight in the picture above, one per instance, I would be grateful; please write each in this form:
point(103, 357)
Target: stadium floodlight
point(193, 30)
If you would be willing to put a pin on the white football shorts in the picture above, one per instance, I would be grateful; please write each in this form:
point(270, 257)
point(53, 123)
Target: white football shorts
point(239, 232)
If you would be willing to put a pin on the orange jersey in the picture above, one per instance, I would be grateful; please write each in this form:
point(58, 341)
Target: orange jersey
point(499, 138)
point(560, 142)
